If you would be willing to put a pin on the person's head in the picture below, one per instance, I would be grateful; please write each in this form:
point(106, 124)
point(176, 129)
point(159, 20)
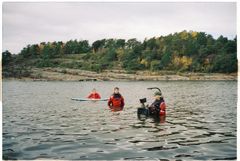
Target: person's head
point(116, 90)
point(157, 95)
point(94, 90)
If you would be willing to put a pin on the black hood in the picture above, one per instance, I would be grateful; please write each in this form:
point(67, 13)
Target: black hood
point(117, 95)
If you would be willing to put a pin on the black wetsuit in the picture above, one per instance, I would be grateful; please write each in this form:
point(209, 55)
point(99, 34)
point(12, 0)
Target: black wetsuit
point(155, 106)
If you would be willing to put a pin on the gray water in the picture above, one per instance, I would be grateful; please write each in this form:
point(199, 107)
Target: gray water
point(40, 121)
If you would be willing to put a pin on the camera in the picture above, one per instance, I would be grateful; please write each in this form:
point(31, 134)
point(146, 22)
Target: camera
point(143, 100)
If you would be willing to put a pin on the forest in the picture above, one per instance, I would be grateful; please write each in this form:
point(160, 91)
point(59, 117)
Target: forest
point(186, 51)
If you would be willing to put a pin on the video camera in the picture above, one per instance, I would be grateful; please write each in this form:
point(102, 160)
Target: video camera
point(143, 100)
point(142, 112)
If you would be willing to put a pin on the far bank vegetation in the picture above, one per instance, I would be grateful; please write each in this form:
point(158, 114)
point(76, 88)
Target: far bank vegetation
point(179, 52)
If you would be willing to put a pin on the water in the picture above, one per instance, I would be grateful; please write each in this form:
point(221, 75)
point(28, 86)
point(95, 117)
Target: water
point(40, 121)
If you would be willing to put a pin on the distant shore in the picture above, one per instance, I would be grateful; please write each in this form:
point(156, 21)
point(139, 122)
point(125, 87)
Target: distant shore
point(60, 74)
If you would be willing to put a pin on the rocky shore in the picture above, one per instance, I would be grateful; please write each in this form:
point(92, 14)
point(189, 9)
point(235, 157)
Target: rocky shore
point(60, 74)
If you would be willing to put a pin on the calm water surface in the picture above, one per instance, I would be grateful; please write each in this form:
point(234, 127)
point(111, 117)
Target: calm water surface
point(40, 121)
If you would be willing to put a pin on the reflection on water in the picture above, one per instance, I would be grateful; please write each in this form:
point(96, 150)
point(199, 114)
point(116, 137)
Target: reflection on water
point(41, 121)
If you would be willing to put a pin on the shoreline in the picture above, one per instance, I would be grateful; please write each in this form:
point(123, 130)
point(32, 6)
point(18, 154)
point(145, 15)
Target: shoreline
point(63, 74)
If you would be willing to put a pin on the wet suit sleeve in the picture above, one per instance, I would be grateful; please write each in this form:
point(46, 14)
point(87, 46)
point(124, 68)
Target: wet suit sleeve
point(98, 96)
point(122, 102)
point(90, 96)
point(153, 104)
point(110, 101)
point(162, 105)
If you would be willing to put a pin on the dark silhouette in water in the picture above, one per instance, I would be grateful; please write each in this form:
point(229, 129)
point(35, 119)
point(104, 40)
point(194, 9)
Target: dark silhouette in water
point(156, 118)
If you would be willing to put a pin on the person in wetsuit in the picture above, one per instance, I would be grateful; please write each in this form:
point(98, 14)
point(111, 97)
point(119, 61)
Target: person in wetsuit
point(116, 100)
point(158, 107)
point(94, 95)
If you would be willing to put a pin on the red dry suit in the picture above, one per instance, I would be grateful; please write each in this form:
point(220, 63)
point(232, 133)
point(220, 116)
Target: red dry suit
point(94, 96)
point(116, 101)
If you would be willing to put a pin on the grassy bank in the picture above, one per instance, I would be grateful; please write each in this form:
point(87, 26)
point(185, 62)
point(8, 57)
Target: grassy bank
point(66, 74)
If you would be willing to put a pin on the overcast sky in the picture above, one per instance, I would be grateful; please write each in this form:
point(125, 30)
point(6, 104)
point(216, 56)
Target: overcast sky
point(29, 23)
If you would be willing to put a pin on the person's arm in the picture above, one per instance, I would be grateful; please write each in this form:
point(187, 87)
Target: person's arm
point(122, 102)
point(90, 96)
point(98, 96)
point(110, 102)
point(153, 104)
point(163, 106)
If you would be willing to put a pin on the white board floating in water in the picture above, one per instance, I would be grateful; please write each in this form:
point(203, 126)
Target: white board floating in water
point(89, 99)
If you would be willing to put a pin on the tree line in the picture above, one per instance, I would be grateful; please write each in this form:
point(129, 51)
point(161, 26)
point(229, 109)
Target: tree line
point(182, 51)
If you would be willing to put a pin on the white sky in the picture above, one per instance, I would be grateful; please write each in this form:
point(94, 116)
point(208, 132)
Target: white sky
point(29, 23)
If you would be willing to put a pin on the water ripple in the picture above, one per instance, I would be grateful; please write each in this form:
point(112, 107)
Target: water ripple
point(200, 122)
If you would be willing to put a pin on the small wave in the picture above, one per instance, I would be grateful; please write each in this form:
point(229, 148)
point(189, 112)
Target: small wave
point(227, 158)
point(160, 148)
point(183, 155)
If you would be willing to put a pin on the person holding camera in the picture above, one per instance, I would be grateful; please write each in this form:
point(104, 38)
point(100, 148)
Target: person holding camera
point(158, 106)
